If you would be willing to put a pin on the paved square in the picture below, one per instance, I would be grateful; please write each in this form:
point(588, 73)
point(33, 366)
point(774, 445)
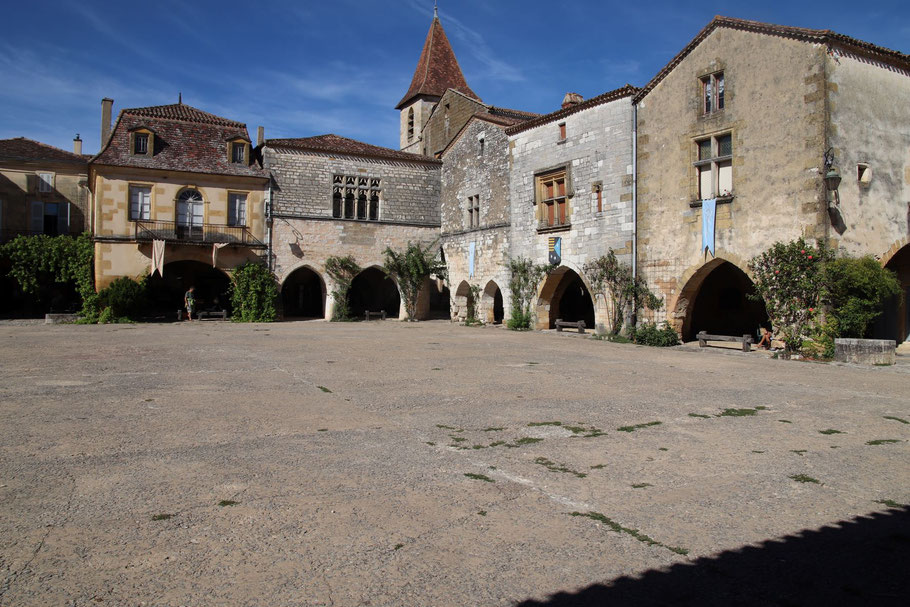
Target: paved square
point(430, 464)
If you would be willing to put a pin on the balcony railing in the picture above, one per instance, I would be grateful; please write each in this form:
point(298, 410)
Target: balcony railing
point(201, 233)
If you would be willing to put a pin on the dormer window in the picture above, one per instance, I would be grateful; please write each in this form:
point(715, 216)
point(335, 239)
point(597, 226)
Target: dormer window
point(141, 142)
point(238, 152)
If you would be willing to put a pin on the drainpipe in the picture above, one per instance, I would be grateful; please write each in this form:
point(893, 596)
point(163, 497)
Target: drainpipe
point(634, 202)
point(268, 226)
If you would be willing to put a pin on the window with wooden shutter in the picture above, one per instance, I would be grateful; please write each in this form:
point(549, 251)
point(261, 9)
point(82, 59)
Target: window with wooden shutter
point(45, 182)
point(714, 166)
point(552, 199)
point(236, 209)
point(36, 217)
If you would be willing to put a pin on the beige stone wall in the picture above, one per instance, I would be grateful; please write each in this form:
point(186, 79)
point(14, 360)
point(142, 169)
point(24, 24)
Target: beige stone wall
point(19, 188)
point(775, 110)
point(491, 259)
point(111, 198)
point(422, 110)
point(870, 123)
point(445, 122)
point(309, 242)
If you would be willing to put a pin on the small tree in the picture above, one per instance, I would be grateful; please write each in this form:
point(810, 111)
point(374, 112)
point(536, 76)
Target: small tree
point(789, 277)
point(254, 294)
point(856, 288)
point(342, 270)
point(525, 276)
point(411, 268)
point(623, 292)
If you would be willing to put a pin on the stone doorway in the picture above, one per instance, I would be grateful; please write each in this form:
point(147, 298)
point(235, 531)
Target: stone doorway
point(303, 294)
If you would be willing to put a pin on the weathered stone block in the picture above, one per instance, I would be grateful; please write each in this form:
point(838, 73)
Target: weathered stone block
point(865, 351)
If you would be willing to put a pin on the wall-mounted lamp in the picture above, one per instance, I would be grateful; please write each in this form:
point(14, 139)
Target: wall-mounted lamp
point(832, 175)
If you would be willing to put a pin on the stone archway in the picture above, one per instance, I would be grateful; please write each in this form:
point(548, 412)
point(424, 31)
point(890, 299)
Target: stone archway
point(491, 308)
point(564, 295)
point(894, 322)
point(373, 290)
point(461, 300)
point(716, 300)
point(166, 293)
point(303, 294)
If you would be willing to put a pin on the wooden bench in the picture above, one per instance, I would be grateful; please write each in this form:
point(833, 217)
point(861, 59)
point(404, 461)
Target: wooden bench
point(367, 315)
point(222, 314)
point(704, 338)
point(579, 324)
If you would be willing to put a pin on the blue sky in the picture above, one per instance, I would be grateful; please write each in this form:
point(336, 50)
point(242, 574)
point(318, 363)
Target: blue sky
point(307, 68)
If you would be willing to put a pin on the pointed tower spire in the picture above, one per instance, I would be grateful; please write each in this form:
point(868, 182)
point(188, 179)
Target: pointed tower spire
point(437, 68)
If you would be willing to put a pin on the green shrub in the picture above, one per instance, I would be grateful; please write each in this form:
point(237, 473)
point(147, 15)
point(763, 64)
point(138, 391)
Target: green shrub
point(856, 289)
point(525, 276)
point(342, 271)
point(411, 268)
point(123, 298)
point(254, 294)
point(649, 334)
point(623, 292)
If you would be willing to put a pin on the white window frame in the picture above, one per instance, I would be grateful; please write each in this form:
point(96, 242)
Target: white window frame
point(716, 171)
point(139, 211)
point(237, 205)
point(45, 182)
point(235, 146)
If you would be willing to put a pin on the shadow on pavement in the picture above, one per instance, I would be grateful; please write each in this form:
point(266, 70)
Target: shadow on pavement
point(862, 561)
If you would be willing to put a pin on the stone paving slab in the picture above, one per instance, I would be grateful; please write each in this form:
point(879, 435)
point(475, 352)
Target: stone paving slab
point(312, 463)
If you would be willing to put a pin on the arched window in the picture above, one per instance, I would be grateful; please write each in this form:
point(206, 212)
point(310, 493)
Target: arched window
point(190, 214)
point(374, 207)
point(362, 206)
point(349, 205)
point(410, 124)
point(336, 204)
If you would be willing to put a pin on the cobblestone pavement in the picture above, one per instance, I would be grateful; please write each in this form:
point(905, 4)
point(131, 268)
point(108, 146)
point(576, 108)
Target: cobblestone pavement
point(393, 463)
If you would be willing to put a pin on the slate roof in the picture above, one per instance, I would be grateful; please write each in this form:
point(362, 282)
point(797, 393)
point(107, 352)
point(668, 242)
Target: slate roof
point(437, 69)
point(186, 139)
point(28, 150)
point(342, 145)
point(625, 91)
point(867, 49)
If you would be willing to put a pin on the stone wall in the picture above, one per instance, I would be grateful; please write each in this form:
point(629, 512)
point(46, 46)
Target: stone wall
point(775, 112)
point(597, 150)
point(302, 184)
point(870, 126)
point(422, 108)
point(451, 113)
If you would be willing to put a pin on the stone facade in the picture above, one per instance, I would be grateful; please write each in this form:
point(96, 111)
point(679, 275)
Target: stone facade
point(305, 233)
point(476, 167)
point(26, 207)
point(596, 152)
point(448, 117)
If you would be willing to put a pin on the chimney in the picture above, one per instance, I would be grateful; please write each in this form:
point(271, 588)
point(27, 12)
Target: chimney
point(77, 145)
point(571, 99)
point(106, 105)
point(260, 136)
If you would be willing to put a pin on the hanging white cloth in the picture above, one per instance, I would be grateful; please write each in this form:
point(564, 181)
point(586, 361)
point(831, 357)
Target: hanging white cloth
point(708, 212)
point(215, 247)
point(158, 257)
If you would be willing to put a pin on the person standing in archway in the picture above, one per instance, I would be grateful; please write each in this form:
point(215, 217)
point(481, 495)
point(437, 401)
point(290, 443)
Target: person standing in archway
point(189, 300)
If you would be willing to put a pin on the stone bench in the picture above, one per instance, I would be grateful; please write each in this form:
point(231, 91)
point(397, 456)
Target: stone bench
point(60, 319)
point(704, 338)
point(380, 314)
point(865, 351)
point(574, 324)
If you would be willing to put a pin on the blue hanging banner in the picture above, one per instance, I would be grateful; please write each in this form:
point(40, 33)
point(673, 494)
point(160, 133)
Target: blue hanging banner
point(472, 247)
point(708, 212)
point(555, 256)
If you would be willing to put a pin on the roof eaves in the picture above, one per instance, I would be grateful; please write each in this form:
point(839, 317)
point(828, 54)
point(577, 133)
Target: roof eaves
point(620, 93)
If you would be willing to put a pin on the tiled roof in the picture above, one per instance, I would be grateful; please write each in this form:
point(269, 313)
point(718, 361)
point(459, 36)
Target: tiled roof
point(187, 113)
point(868, 49)
point(626, 91)
point(343, 145)
point(186, 139)
point(437, 69)
point(20, 148)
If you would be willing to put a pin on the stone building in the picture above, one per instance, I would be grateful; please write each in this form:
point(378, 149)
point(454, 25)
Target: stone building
point(476, 213)
point(754, 117)
point(184, 178)
point(43, 189)
point(333, 196)
point(571, 198)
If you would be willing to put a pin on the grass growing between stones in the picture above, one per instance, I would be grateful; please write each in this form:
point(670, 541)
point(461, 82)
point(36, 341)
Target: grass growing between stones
point(444, 427)
point(535, 424)
point(554, 467)
point(889, 503)
point(830, 431)
point(882, 441)
point(802, 478)
point(637, 426)
point(641, 537)
point(699, 415)
point(398, 547)
point(493, 429)
point(641, 485)
point(798, 451)
point(525, 440)
point(479, 477)
point(482, 512)
point(738, 412)
point(324, 389)
point(162, 517)
point(896, 419)
point(598, 466)
point(785, 421)
point(224, 503)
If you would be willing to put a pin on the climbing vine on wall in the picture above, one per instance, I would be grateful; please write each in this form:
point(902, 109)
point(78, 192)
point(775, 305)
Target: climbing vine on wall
point(624, 293)
point(411, 268)
point(525, 276)
point(342, 271)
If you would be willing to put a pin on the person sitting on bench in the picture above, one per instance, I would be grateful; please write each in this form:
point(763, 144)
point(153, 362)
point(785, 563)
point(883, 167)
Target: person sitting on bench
point(765, 339)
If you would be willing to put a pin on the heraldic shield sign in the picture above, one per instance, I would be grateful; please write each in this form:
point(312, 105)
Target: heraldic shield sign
point(555, 250)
